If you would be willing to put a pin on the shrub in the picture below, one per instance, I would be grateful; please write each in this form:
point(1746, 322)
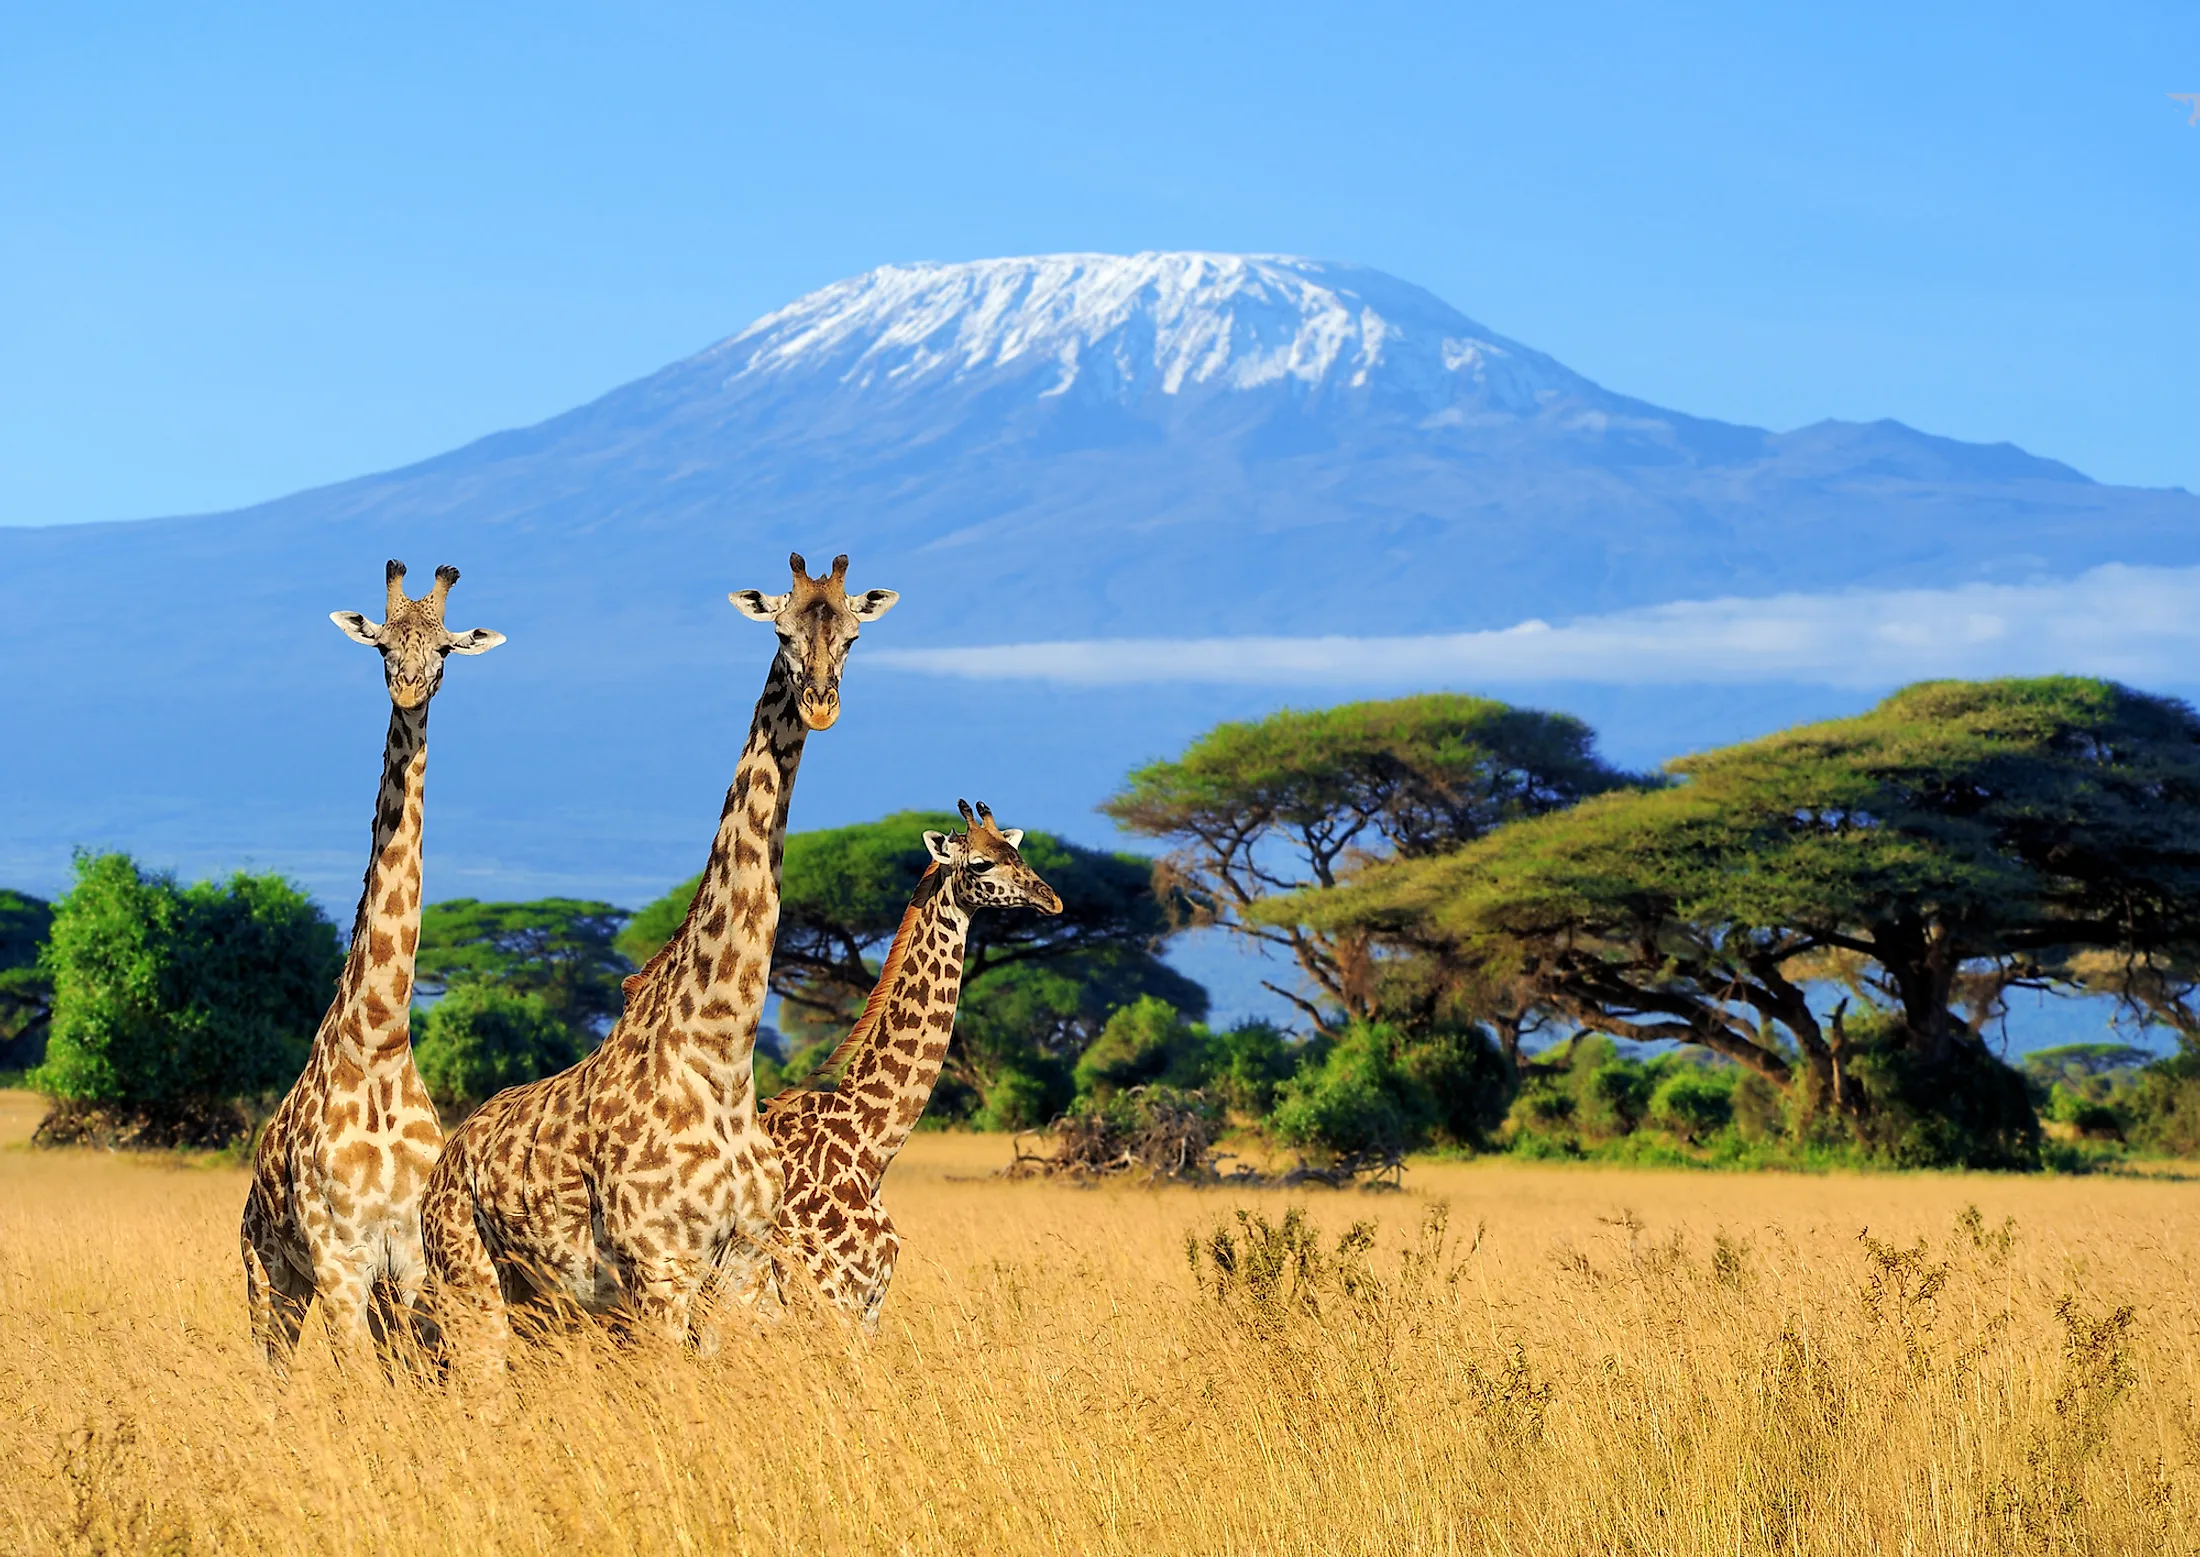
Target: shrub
point(1246, 1064)
point(168, 1000)
point(1464, 1080)
point(1965, 1111)
point(2164, 1105)
point(1694, 1102)
point(1016, 1100)
point(481, 1038)
point(1355, 1100)
point(1143, 1042)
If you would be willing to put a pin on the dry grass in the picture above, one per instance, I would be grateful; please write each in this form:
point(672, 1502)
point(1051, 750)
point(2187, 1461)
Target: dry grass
point(1594, 1361)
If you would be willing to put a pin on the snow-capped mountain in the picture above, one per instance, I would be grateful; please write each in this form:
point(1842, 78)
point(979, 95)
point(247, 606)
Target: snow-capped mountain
point(1123, 328)
point(1159, 446)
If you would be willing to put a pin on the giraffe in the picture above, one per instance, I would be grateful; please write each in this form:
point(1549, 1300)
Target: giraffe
point(334, 1207)
point(615, 1185)
point(835, 1146)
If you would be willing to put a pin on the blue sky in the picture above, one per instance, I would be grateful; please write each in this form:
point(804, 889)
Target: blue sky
point(250, 250)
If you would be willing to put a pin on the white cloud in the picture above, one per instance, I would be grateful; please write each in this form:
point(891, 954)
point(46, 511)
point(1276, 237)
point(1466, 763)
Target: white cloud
point(2135, 624)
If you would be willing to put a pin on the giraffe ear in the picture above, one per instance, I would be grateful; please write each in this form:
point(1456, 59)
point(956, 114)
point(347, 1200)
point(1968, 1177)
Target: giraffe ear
point(756, 605)
point(357, 628)
point(873, 604)
point(1014, 835)
point(935, 844)
point(477, 640)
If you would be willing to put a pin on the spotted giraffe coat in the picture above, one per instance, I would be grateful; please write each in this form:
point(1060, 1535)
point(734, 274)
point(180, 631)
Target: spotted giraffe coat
point(334, 1206)
point(835, 1146)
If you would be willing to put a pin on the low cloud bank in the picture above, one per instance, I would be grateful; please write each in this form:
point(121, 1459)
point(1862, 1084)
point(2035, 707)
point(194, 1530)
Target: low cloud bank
point(2133, 624)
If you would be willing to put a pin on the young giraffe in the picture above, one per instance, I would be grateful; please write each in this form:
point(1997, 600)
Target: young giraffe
point(835, 1146)
point(618, 1183)
point(334, 1208)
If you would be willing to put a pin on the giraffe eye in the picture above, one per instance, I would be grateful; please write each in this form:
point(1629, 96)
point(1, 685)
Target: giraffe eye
point(980, 867)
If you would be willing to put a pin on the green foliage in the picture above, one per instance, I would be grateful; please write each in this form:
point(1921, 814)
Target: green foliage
point(1149, 1041)
point(1016, 1099)
point(1694, 1104)
point(167, 998)
point(2163, 1106)
point(1959, 839)
point(1143, 1042)
point(561, 950)
point(483, 1037)
point(1037, 989)
point(1354, 1099)
point(1299, 799)
point(1244, 1065)
point(26, 989)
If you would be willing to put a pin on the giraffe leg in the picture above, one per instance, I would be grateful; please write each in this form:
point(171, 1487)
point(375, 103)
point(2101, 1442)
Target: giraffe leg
point(276, 1294)
point(661, 1290)
point(404, 1329)
point(346, 1286)
point(466, 1303)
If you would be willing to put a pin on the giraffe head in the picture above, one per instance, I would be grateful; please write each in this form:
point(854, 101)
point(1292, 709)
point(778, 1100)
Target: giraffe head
point(412, 637)
point(816, 619)
point(982, 867)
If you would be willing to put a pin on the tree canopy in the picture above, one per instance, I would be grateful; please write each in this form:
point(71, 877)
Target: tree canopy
point(483, 1037)
point(562, 950)
point(1957, 841)
point(1036, 988)
point(169, 997)
point(1303, 799)
point(26, 988)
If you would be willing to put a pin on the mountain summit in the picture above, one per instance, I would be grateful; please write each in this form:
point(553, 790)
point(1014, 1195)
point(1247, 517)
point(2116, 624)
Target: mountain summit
point(1161, 446)
point(1124, 327)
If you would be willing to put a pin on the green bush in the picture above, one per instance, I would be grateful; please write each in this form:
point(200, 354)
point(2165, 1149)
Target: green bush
point(1143, 1042)
point(1464, 1081)
point(1966, 1111)
point(1694, 1102)
point(1354, 1098)
point(2164, 1105)
point(481, 1038)
point(1016, 1100)
point(1245, 1064)
point(170, 999)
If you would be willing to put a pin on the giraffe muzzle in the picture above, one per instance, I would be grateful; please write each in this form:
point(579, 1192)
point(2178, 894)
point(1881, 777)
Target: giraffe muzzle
point(820, 710)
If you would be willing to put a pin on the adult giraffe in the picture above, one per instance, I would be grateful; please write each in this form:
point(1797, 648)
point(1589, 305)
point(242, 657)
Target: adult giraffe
point(618, 1183)
point(334, 1208)
point(835, 1146)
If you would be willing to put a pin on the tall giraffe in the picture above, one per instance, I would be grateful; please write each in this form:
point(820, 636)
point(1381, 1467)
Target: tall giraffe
point(617, 1183)
point(334, 1208)
point(836, 1146)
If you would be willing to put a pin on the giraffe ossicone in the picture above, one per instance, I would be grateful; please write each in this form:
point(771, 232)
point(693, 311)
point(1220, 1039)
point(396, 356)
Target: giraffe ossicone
point(622, 1182)
point(333, 1211)
point(835, 1146)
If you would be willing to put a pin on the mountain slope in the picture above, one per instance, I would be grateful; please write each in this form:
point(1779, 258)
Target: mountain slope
point(1076, 445)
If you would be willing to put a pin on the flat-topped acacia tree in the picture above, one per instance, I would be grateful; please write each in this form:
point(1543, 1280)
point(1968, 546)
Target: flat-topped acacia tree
point(1959, 840)
point(843, 896)
point(1301, 800)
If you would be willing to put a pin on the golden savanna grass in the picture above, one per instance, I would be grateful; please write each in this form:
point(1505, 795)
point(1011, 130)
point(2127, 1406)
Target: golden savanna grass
point(1583, 1361)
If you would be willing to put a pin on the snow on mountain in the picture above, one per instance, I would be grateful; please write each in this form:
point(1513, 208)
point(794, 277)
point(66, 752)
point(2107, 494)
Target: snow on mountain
point(1126, 326)
point(1083, 448)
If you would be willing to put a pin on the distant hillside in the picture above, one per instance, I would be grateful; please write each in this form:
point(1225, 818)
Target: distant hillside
point(1164, 445)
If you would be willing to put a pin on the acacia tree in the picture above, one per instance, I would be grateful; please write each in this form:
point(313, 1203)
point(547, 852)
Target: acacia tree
point(1035, 987)
point(1959, 840)
point(1302, 800)
point(560, 950)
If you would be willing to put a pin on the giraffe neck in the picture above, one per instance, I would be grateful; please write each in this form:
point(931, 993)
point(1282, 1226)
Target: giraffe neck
point(373, 1008)
point(709, 982)
point(896, 1048)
